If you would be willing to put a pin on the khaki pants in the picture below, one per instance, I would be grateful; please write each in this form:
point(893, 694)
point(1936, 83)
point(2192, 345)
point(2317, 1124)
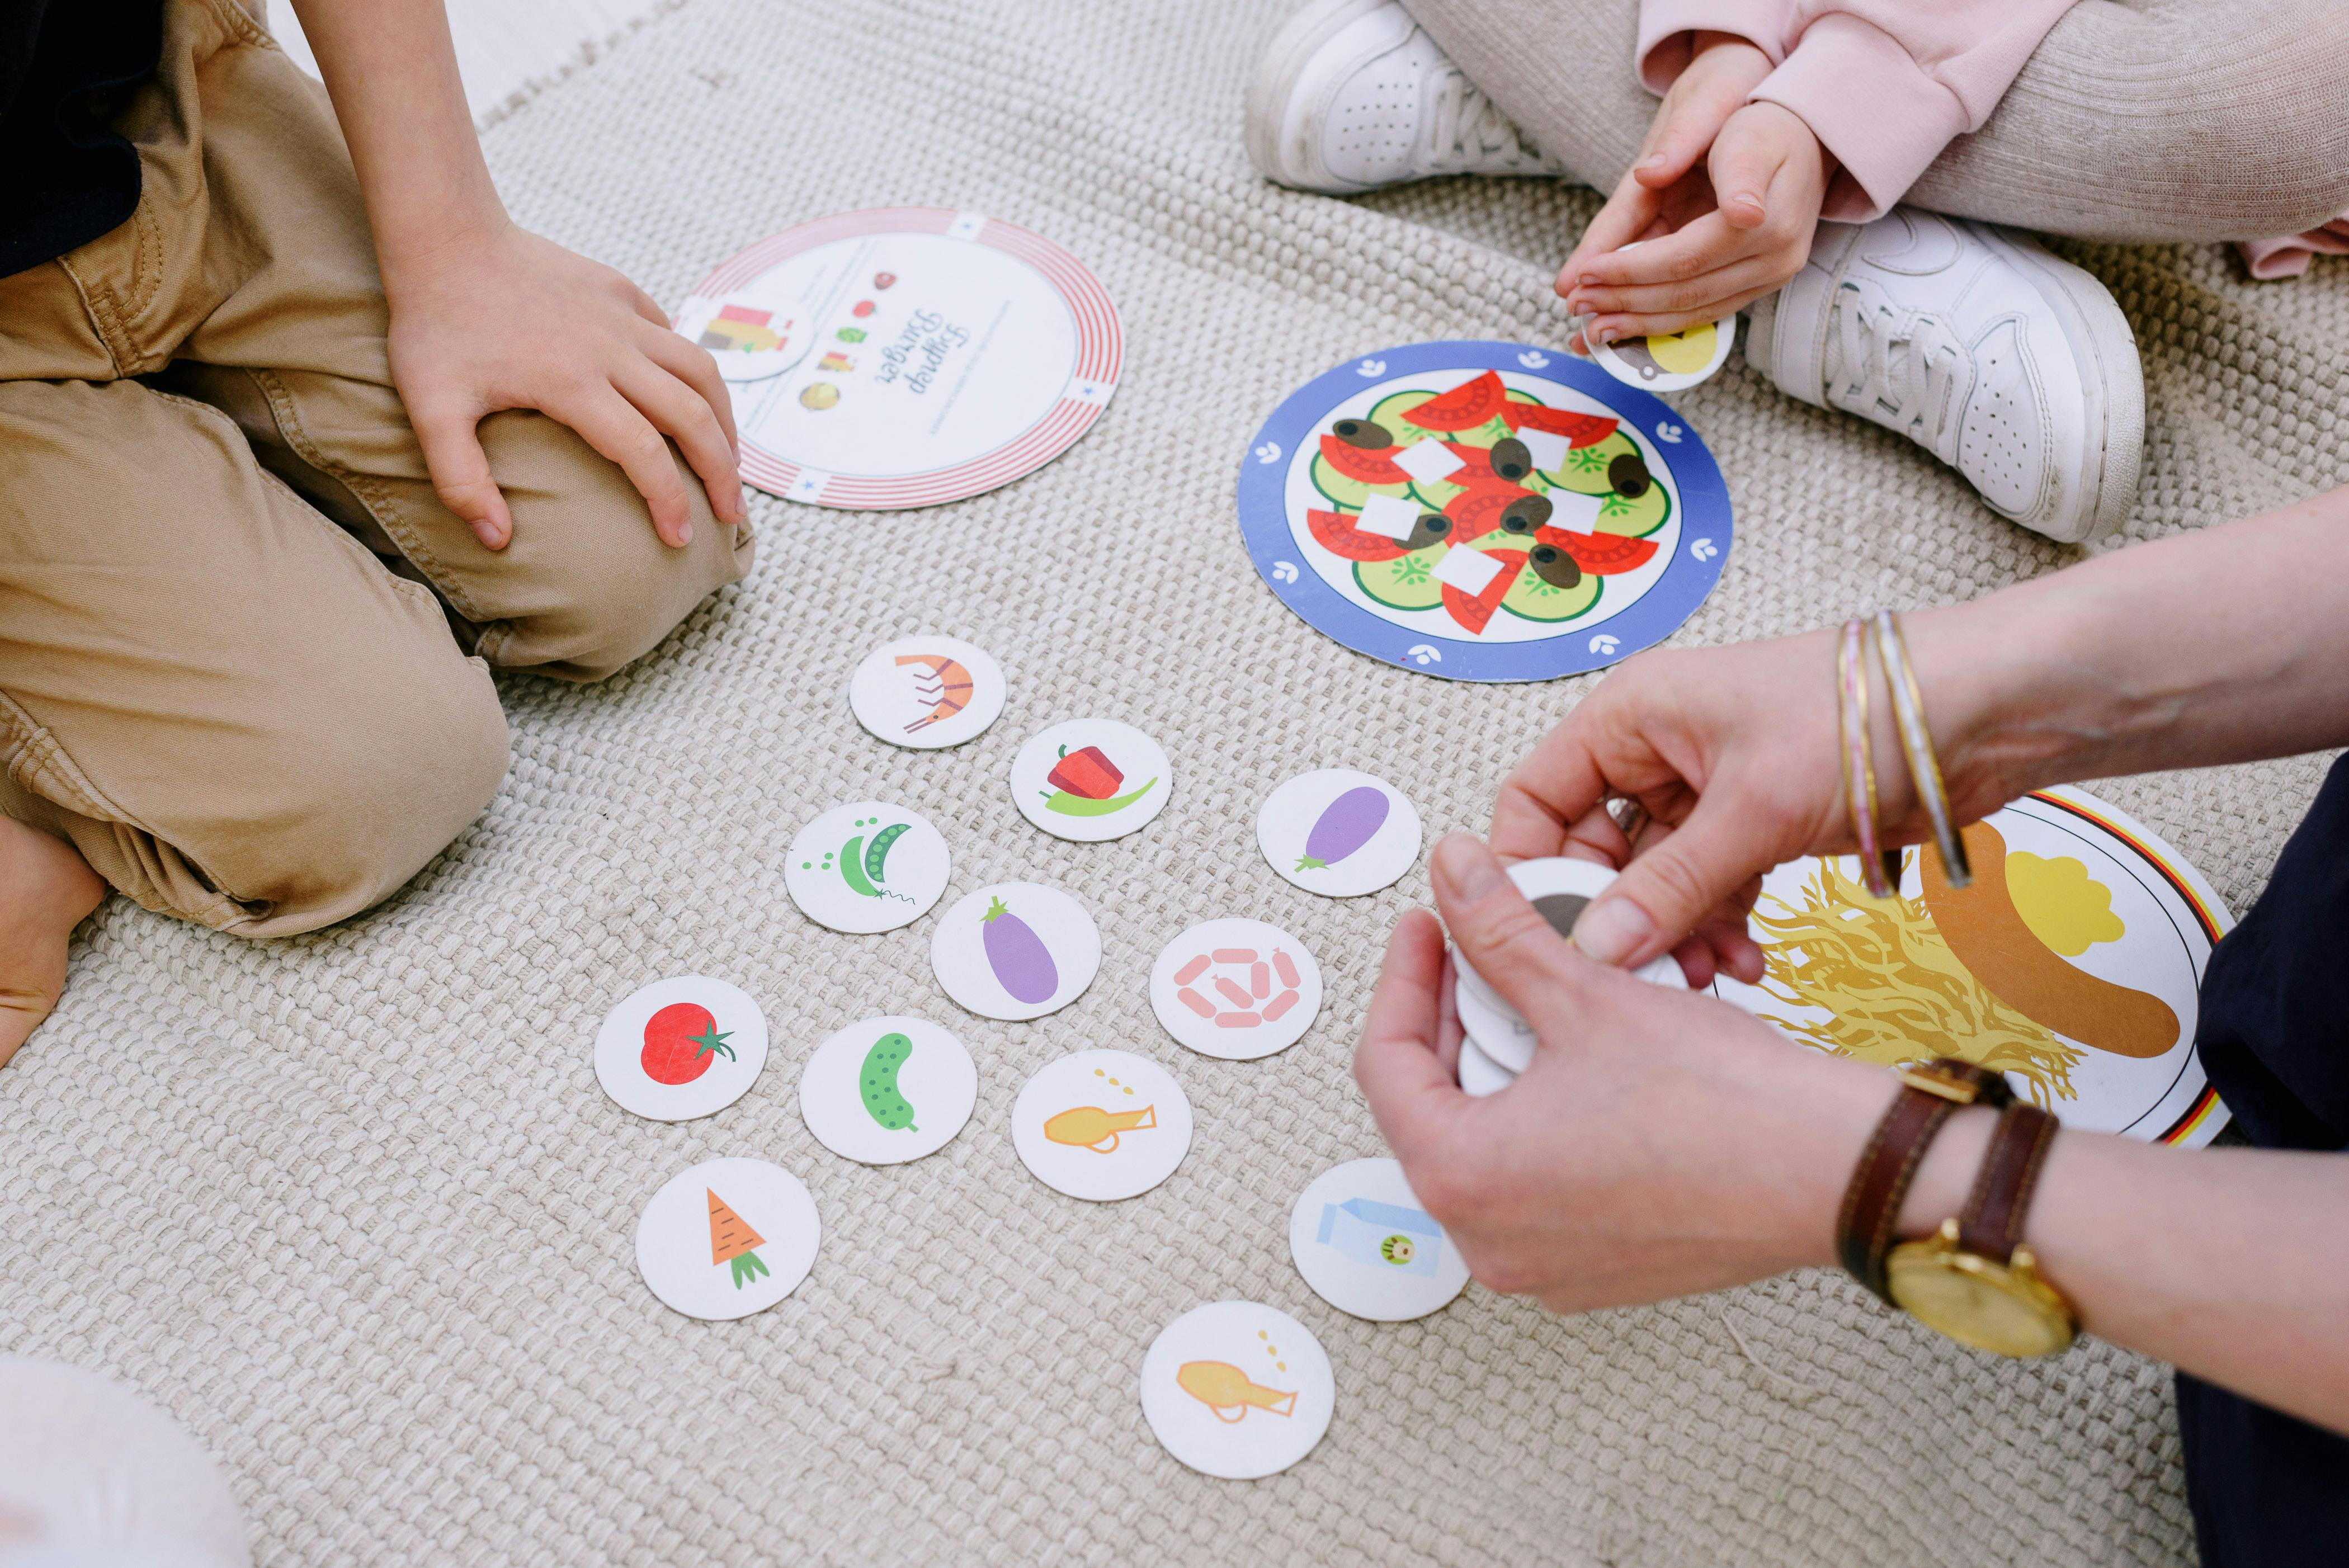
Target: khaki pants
point(2135, 119)
point(245, 651)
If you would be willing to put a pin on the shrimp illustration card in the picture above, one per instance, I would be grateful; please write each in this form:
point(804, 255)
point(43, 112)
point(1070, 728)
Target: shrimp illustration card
point(905, 357)
point(1238, 989)
point(867, 866)
point(1237, 1389)
point(727, 1238)
point(889, 1090)
point(1484, 511)
point(1015, 951)
point(1338, 832)
point(1362, 1242)
point(1091, 779)
point(681, 1048)
point(2071, 963)
point(927, 692)
point(1101, 1125)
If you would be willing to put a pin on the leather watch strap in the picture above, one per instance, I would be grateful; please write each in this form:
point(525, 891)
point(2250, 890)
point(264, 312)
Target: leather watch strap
point(1871, 1203)
point(1991, 1225)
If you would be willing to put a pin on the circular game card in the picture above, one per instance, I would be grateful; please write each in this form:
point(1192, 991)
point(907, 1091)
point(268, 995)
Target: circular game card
point(889, 1090)
point(1101, 1125)
point(727, 1238)
point(1237, 1389)
point(1091, 779)
point(2072, 960)
point(1485, 511)
point(926, 692)
point(1338, 833)
point(680, 1048)
point(1238, 989)
point(1480, 1075)
point(1365, 1245)
point(867, 866)
point(905, 355)
point(1016, 950)
point(1673, 362)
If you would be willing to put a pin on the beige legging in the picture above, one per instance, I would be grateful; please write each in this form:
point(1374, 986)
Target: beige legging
point(2136, 119)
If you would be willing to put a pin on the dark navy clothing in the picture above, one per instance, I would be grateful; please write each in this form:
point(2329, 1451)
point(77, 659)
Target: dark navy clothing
point(2267, 1490)
point(67, 69)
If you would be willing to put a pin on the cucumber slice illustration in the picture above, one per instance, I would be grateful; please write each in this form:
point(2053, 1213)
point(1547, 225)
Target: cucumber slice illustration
point(877, 1082)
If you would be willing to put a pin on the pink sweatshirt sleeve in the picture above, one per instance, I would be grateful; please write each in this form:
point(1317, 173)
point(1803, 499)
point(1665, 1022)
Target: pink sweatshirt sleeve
point(1884, 84)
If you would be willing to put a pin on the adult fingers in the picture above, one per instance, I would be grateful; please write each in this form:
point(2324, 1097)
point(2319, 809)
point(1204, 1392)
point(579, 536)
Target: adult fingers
point(1502, 936)
point(612, 425)
point(691, 364)
point(683, 415)
point(460, 470)
point(1559, 782)
point(1669, 889)
point(1398, 1064)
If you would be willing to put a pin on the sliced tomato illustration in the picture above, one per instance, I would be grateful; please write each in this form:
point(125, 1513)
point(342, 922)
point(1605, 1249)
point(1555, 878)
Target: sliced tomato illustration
point(1579, 430)
point(1600, 554)
point(1363, 466)
point(1479, 469)
point(1476, 511)
point(1463, 407)
point(1335, 532)
point(1474, 613)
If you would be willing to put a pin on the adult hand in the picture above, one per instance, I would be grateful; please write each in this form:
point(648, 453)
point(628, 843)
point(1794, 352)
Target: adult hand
point(504, 319)
point(1722, 204)
point(1661, 1143)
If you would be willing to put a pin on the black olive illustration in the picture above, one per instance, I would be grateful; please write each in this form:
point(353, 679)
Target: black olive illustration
point(1628, 476)
point(1510, 458)
point(1555, 566)
point(1430, 527)
point(1524, 514)
point(1362, 433)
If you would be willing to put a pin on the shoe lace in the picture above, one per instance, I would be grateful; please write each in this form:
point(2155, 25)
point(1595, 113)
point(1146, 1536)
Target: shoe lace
point(1468, 129)
point(1894, 368)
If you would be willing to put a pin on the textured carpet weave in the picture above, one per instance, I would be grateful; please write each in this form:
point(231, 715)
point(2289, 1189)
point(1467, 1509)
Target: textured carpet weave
point(354, 1209)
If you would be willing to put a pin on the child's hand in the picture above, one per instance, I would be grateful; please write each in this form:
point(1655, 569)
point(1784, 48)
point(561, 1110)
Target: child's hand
point(509, 320)
point(1726, 194)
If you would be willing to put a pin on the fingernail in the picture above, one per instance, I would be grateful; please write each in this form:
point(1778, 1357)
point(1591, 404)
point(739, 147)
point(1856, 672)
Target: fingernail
point(1590, 280)
point(1467, 868)
point(1606, 335)
point(685, 533)
point(1655, 162)
point(486, 533)
point(1611, 929)
point(742, 506)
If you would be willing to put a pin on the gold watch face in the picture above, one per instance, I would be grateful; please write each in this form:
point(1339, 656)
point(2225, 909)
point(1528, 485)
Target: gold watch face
point(1977, 1302)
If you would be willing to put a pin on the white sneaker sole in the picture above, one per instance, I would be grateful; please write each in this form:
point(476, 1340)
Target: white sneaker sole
point(1275, 84)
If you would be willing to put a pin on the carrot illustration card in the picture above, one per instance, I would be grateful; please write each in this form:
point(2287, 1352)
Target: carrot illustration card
point(2071, 963)
point(1484, 511)
point(1237, 1389)
point(1238, 989)
point(727, 1238)
point(867, 866)
point(680, 1048)
point(1091, 779)
point(1101, 1125)
point(1338, 832)
point(889, 1090)
point(1366, 1247)
point(1015, 951)
point(927, 692)
point(905, 357)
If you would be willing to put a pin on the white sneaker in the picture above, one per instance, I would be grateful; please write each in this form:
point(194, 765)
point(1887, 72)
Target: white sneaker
point(1353, 96)
point(2016, 369)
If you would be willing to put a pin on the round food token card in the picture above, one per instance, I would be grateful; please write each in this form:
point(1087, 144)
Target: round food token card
point(867, 866)
point(1238, 989)
point(1480, 1075)
point(1365, 1245)
point(1669, 362)
point(680, 1048)
point(1237, 1389)
point(905, 355)
point(1016, 950)
point(1338, 832)
point(889, 1090)
point(927, 692)
point(1091, 779)
point(1484, 511)
point(1101, 1125)
point(727, 1238)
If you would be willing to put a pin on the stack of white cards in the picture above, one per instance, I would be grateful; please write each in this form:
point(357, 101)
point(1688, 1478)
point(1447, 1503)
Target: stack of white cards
point(1496, 1043)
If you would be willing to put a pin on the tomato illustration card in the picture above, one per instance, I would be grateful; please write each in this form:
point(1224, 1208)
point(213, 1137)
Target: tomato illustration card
point(1091, 779)
point(681, 1048)
point(1015, 951)
point(2071, 963)
point(727, 1238)
point(1101, 1125)
point(1484, 511)
point(1338, 832)
point(888, 1089)
point(905, 357)
point(1237, 1389)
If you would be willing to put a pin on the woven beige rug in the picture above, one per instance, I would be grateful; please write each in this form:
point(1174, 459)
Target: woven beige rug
point(354, 1209)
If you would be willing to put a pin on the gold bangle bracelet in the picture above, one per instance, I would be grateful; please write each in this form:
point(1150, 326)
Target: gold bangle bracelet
point(1880, 868)
point(1917, 744)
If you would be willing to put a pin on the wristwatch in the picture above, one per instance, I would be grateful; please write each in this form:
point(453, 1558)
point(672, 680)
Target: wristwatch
point(1974, 1280)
